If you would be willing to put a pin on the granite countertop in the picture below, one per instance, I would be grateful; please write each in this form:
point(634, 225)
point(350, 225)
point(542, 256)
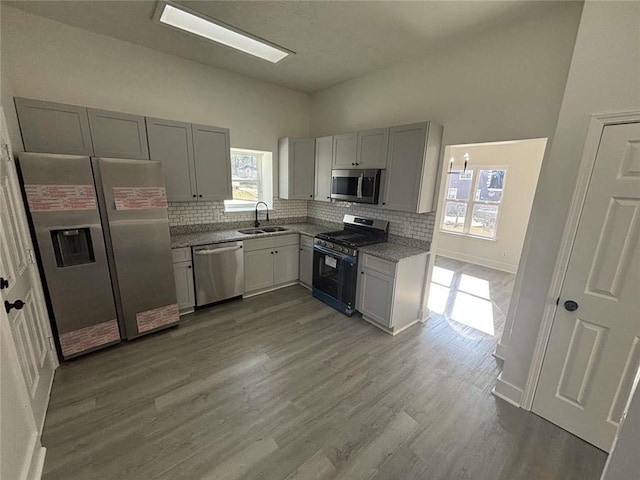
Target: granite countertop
point(221, 236)
point(393, 251)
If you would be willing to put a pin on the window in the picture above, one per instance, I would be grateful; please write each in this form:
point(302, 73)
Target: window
point(251, 180)
point(473, 202)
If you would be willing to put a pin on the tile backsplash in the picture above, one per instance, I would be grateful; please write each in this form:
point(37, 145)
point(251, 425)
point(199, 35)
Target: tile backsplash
point(194, 213)
point(411, 225)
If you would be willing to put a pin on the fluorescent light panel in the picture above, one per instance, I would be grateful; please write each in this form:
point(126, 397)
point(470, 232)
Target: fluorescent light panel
point(189, 22)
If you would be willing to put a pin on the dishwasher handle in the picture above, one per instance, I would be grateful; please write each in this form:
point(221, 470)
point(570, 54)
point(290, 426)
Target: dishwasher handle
point(213, 251)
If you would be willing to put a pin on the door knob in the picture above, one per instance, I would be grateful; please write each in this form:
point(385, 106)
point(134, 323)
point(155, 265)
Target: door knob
point(4, 283)
point(570, 305)
point(18, 304)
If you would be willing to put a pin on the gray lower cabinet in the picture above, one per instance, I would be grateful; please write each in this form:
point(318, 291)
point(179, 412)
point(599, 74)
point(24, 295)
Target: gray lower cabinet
point(49, 127)
point(171, 143)
point(270, 262)
point(118, 135)
point(306, 260)
point(412, 167)
point(296, 159)
point(390, 294)
point(212, 159)
point(324, 153)
point(183, 275)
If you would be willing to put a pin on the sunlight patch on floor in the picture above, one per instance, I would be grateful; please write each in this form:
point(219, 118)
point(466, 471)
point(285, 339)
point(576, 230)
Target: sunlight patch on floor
point(475, 286)
point(438, 297)
point(474, 312)
point(442, 276)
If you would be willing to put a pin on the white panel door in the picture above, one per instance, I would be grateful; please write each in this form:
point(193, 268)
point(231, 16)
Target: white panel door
point(324, 149)
point(20, 291)
point(306, 266)
point(258, 269)
point(183, 275)
point(376, 296)
point(372, 148)
point(286, 264)
point(212, 157)
point(345, 147)
point(594, 351)
point(302, 158)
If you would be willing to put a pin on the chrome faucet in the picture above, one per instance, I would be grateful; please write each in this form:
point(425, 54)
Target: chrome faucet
point(257, 223)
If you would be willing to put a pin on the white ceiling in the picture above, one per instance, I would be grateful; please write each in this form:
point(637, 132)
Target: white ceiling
point(333, 41)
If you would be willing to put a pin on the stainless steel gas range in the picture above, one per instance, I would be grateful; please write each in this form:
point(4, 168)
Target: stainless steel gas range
point(335, 260)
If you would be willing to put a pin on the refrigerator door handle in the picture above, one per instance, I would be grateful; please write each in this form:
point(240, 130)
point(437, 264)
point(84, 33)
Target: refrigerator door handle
point(216, 250)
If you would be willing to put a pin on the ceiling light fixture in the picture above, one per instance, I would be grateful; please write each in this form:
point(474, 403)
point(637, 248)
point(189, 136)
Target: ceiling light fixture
point(179, 17)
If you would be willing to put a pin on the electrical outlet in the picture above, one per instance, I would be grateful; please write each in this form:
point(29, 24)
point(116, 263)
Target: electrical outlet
point(504, 254)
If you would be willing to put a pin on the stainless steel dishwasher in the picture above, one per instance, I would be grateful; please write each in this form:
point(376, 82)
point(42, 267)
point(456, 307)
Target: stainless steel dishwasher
point(218, 271)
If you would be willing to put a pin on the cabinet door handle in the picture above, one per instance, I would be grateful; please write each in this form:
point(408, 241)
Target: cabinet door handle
point(189, 266)
point(194, 196)
point(361, 273)
point(384, 203)
point(200, 196)
point(276, 251)
point(4, 283)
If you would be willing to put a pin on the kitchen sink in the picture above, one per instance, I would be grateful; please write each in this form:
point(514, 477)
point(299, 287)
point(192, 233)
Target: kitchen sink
point(250, 231)
point(274, 229)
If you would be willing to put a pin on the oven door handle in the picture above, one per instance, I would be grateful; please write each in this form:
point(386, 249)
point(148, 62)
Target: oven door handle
point(333, 254)
point(360, 179)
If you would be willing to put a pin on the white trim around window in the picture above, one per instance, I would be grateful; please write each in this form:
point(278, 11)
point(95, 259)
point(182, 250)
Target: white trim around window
point(461, 209)
point(259, 172)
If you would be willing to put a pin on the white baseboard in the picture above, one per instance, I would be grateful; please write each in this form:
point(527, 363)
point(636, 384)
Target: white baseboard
point(36, 465)
point(269, 289)
point(500, 352)
point(507, 392)
point(483, 262)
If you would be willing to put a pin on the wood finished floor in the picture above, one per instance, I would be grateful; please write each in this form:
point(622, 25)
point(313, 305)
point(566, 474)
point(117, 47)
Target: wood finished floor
point(281, 386)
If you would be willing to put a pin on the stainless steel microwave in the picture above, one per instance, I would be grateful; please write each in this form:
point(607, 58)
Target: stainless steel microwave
point(362, 186)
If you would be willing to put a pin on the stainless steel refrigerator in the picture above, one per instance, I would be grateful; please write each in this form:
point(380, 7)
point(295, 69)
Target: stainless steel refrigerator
point(102, 234)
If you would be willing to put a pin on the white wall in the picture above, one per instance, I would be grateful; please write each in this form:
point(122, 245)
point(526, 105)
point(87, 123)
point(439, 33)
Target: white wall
point(522, 160)
point(49, 60)
point(504, 84)
point(604, 78)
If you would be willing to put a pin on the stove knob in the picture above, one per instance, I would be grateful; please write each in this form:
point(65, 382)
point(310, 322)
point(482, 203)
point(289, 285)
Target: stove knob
point(329, 245)
point(319, 242)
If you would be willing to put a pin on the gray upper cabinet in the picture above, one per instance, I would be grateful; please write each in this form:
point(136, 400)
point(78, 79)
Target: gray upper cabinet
point(324, 149)
point(412, 167)
point(345, 147)
point(49, 127)
point(372, 148)
point(118, 135)
point(296, 157)
point(212, 158)
point(171, 143)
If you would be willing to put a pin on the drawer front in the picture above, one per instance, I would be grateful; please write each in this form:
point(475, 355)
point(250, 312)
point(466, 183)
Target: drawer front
point(380, 265)
point(181, 254)
point(253, 244)
point(306, 240)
